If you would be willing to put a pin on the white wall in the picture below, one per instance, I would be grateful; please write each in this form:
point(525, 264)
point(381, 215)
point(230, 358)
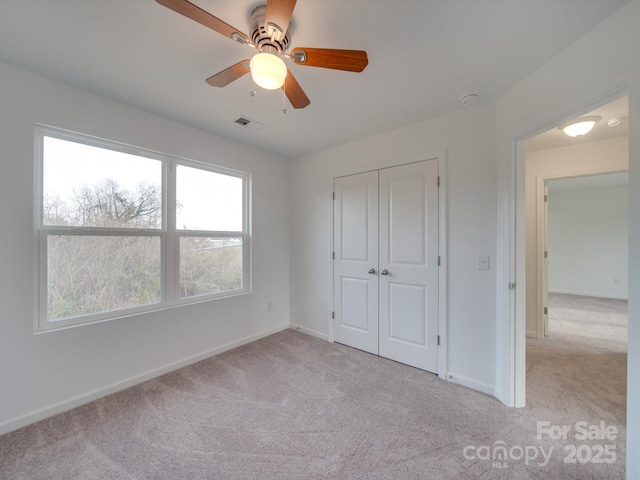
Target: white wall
point(602, 156)
point(588, 242)
point(581, 76)
point(468, 136)
point(45, 373)
point(633, 361)
point(40, 371)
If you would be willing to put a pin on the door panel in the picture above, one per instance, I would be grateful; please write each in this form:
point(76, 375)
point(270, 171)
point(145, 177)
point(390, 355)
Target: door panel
point(356, 251)
point(386, 263)
point(402, 326)
point(355, 213)
point(356, 292)
point(409, 253)
point(406, 221)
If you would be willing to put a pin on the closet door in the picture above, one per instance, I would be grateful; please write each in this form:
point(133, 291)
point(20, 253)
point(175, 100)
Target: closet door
point(408, 264)
point(355, 277)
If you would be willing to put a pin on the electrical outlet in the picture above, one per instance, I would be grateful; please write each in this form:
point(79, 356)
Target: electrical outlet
point(616, 281)
point(269, 306)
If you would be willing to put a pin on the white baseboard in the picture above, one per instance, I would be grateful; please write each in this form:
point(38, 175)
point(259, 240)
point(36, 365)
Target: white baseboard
point(308, 331)
point(472, 384)
point(499, 394)
point(452, 377)
point(612, 297)
point(65, 405)
point(532, 334)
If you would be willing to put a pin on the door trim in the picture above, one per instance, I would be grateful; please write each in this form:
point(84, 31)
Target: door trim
point(541, 227)
point(511, 304)
point(440, 156)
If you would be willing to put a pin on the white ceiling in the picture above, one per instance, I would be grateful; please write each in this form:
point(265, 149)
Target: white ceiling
point(423, 55)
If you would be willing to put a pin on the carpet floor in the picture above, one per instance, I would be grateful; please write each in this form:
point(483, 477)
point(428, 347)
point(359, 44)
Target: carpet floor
point(293, 407)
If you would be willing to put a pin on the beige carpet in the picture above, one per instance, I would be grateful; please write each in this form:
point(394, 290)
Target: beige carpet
point(291, 406)
point(579, 372)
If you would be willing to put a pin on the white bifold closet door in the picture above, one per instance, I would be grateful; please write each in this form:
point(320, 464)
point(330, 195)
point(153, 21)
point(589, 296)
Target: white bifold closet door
point(386, 263)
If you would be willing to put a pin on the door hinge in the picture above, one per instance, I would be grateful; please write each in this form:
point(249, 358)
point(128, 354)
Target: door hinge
point(546, 198)
point(334, 195)
point(512, 286)
point(438, 340)
point(333, 255)
point(546, 311)
point(438, 260)
point(438, 181)
point(333, 315)
point(546, 254)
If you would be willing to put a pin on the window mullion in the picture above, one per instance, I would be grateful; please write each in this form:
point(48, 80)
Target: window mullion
point(99, 231)
point(41, 318)
point(171, 244)
point(209, 233)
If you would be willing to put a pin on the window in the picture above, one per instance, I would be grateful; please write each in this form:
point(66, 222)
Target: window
point(123, 230)
point(210, 262)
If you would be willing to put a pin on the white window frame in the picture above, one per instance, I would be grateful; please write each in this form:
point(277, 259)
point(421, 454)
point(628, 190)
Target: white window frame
point(168, 234)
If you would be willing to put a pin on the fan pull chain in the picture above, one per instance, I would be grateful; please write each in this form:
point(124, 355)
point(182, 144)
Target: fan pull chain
point(284, 99)
point(253, 87)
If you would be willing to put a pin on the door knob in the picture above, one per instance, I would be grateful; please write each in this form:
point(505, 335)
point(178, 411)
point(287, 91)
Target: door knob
point(371, 270)
point(384, 272)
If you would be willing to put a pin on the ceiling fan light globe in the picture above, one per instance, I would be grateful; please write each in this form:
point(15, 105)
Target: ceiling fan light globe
point(268, 71)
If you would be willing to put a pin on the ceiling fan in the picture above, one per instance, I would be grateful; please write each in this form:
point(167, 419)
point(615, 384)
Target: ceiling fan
point(269, 35)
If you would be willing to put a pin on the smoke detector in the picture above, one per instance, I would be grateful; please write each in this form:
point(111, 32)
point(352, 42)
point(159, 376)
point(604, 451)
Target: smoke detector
point(468, 99)
point(614, 122)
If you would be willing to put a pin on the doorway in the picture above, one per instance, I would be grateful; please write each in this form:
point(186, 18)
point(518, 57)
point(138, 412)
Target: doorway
point(585, 219)
point(548, 163)
point(386, 263)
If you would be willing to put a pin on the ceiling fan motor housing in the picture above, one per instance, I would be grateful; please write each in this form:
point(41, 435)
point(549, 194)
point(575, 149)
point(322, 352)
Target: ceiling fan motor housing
point(273, 37)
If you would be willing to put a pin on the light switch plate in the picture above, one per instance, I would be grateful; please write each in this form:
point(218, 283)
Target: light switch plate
point(483, 262)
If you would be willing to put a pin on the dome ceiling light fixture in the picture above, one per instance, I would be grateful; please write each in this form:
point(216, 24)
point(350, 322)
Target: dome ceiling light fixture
point(580, 126)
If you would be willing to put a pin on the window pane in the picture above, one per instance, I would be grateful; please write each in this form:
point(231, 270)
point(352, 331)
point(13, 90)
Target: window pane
point(208, 201)
point(210, 265)
point(95, 187)
point(94, 274)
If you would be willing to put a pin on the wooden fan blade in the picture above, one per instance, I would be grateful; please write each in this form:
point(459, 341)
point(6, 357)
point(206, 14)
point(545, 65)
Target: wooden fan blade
point(201, 16)
point(349, 60)
point(228, 75)
point(278, 13)
point(294, 92)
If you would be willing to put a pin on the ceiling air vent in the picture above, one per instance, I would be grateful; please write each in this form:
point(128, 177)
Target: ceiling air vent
point(248, 122)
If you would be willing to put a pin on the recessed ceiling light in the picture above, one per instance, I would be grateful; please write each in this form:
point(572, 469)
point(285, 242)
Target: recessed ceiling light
point(580, 126)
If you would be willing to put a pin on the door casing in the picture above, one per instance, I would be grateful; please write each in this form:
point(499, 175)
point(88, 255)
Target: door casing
point(511, 272)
